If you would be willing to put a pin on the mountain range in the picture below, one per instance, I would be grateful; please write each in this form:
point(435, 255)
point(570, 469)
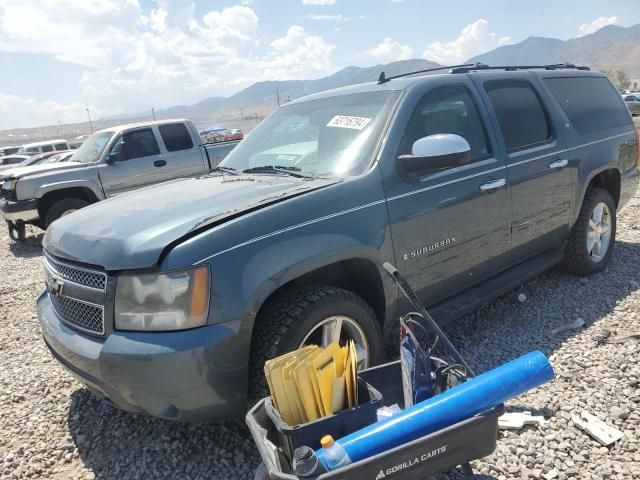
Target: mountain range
point(610, 47)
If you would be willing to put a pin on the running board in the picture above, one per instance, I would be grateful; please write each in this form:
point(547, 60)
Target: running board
point(483, 293)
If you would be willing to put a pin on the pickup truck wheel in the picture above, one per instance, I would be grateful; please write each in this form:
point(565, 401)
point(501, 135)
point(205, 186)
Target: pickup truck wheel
point(591, 242)
point(313, 314)
point(63, 207)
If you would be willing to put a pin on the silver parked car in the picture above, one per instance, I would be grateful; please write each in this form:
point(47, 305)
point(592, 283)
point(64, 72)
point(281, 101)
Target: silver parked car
point(633, 102)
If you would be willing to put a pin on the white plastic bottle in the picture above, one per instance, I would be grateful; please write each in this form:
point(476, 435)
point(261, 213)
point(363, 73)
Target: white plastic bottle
point(335, 455)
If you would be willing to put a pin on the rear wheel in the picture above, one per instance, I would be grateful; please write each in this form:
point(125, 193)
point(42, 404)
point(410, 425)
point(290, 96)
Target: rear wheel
point(591, 242)
point(313, 314)
point(63, 207)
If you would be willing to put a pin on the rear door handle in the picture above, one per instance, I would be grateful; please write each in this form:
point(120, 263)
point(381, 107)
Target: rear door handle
point(160, 163)
point(561, 163)
point(493, 185)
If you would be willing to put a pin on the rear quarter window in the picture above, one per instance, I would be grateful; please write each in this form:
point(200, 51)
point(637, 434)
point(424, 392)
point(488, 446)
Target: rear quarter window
point(175, 137)
point(592, 104)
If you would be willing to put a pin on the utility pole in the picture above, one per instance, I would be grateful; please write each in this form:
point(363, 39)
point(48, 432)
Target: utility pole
point(153, 113)
point(278, 96)
point(241, 114)
point(90, 123)
point(60, 128)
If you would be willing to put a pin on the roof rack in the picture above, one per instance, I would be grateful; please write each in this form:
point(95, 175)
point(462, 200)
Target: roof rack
point(469, 67)
point(513, 68)
point(382, 78)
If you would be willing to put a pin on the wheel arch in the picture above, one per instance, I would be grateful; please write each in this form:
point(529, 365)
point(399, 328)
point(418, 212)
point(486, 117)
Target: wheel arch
point(607, 177)
point(360, 276)
point(52, 196)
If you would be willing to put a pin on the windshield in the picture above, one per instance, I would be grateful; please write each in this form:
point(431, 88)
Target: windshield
point(91, 148)
point(332, 136)
point(28, 150)
point(57, 158)
point(25, 163)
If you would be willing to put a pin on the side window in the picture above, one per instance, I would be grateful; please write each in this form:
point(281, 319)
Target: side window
point(175, 137)
point(47, 148)
point(61, 146)
point(448, 109)
point(136, 144)
point(592, 104)
point(522, 118)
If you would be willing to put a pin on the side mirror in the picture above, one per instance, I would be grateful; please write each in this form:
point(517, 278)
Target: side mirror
point(435, 152)
point(112, 157)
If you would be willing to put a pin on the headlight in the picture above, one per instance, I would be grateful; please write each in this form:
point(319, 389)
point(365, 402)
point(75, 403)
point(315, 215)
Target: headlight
point(163, 301)
point(9, 184)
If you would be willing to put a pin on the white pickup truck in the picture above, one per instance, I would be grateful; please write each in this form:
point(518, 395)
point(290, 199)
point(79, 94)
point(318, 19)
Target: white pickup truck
point(110, 162)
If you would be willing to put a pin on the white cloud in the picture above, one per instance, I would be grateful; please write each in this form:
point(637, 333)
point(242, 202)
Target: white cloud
point(333, 18)
point(17, 112)
point(238, 21)
point(318, 2)
point(597, 24)
point(390, 51)
point(246, 2)
point(298, 54)
point(160, 55)
point(474, 39)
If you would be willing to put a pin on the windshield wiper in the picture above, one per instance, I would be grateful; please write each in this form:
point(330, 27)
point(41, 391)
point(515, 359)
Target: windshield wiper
point(293, 171)
point(222, 168)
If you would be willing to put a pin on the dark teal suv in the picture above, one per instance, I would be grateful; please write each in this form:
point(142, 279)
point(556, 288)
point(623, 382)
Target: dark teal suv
point(169, 299)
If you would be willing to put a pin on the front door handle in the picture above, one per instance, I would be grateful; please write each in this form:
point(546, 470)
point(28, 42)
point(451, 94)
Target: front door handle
point(160, 163)
point(561, 163)
point(493, 185)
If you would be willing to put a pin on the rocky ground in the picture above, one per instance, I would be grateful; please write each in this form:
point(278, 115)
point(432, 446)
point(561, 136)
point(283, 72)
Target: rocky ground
point(51, 427)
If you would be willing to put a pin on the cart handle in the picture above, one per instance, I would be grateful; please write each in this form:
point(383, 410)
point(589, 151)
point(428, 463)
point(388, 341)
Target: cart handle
point(419, 306)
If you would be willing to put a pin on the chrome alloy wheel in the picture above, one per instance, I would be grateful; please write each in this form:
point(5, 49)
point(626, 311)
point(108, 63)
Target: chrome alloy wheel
point(599, 232)
point(341, 329)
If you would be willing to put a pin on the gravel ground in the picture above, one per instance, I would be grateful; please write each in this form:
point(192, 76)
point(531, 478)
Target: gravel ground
point(51, 427)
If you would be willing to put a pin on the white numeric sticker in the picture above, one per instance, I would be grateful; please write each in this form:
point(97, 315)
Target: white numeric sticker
point(346, 121)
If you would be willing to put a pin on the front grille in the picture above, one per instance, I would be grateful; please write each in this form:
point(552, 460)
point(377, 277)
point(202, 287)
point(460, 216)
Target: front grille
point(83, 315)
point(77, 294)
point(82, 276)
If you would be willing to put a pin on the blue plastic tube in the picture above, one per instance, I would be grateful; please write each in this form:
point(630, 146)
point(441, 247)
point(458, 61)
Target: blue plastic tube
point(466, 400)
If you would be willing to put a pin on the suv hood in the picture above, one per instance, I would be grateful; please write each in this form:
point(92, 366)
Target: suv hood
point(33, 169)
point(132, 230)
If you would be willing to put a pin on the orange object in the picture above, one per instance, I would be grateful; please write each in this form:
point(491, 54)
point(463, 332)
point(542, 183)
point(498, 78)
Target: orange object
point(326, 441)
point(200, 294)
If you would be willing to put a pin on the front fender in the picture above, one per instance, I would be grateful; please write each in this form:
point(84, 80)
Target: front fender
point(56, 185)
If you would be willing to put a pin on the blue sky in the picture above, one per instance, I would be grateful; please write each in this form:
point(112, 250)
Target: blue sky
point(59, 57)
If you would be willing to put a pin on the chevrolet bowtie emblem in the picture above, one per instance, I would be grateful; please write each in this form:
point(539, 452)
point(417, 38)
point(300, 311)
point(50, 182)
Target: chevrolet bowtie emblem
point(55, 286)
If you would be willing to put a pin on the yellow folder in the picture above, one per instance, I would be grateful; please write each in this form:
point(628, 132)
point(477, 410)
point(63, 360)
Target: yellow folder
point(313, 382)
point(325, 373)
point(273, 372)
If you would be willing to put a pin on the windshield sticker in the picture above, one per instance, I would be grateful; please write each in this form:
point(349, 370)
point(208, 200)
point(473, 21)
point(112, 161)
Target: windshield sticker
point(346, 121)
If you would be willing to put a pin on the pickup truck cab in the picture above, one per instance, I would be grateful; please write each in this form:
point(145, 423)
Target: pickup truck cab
point(109, 162)
point(43, 147)
point(168, 300)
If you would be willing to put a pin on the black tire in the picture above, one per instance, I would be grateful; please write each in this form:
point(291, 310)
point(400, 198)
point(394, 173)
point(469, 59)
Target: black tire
point(287, 319)
point(63, 206)
point(576, 256)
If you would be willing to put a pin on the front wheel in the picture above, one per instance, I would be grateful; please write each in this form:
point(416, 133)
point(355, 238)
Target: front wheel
point(63, 207)
point(312, 314)
point(591, 242)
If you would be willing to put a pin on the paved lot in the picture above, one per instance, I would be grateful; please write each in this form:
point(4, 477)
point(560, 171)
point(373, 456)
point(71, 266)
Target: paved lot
point(51, 427)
